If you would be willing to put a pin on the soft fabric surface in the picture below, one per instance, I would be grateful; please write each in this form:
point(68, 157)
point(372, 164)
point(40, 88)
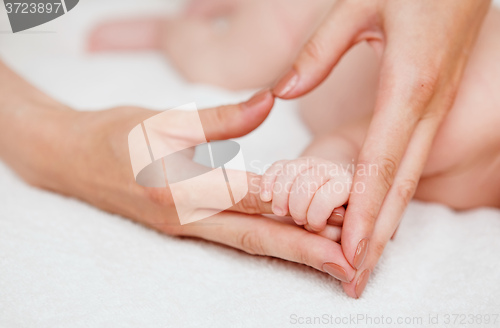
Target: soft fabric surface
point(64, 263)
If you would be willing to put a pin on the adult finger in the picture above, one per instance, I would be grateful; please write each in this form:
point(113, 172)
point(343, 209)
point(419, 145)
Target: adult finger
point(339, 31)
point(252, 203)
point(331, 232)
point(218, 123)
point(403, 96)
point(337, 217)
point(396, 202)
point(234, 121)
point(264, 236)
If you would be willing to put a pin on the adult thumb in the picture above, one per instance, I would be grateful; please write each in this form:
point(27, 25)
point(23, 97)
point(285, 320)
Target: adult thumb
point(234, 121)
point(252, 203)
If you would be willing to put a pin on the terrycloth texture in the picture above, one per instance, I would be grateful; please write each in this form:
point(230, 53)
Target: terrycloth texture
point(64, 263)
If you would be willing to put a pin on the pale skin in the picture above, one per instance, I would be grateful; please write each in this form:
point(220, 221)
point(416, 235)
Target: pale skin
point(460, 169)
point(256, 235)
point(85, 155)
point(312, 190)
point(462, 166)
point(421, 52)
point(464, 161)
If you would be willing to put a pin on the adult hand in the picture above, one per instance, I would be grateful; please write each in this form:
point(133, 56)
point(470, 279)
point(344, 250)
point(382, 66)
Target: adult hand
point(85, 155)
point(424, 46)
point(105, 179)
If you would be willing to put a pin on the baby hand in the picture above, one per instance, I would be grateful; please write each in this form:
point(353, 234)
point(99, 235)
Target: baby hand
point(310, 188)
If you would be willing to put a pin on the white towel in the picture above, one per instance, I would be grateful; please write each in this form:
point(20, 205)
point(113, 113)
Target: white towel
point(64, 263)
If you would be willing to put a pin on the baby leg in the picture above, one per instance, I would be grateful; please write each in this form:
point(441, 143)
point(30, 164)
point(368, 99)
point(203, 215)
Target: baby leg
point(463, 169)
point(347, 95)
point(240, 44)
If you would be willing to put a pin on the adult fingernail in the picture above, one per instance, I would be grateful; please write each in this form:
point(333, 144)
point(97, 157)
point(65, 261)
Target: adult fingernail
point(336, 271)
point(256, 99)
point(286, 84)
point(337, 219)
point(360, 254)
point(361, 283)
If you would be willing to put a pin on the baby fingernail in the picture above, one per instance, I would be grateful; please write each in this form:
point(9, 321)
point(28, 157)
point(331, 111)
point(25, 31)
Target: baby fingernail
point(307, 227)
point(361, 283)
point(360, 254)
point(265, 195)
point(278, 211)
point(286, 84)
point(336, 271)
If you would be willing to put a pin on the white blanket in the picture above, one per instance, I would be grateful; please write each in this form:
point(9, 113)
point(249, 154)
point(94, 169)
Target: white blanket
point(64, 263)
